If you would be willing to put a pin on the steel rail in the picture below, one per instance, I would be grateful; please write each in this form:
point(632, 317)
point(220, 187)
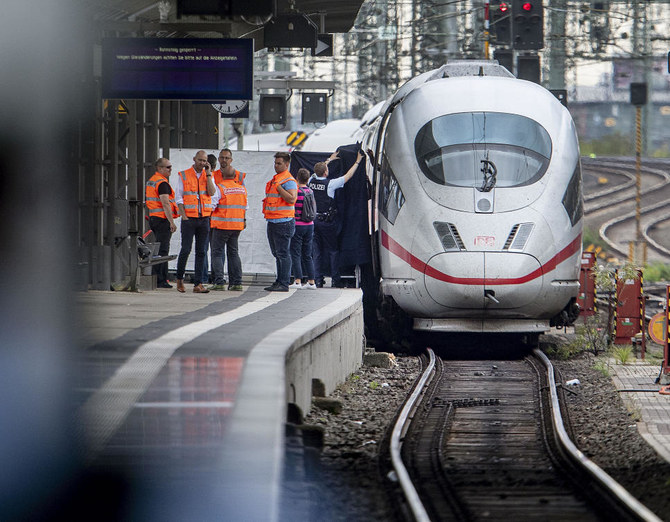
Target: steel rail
point(612, 189)
point(650, 240)
point(625, 217)
point(416, 506)
point(624, 198)
point(594, 470)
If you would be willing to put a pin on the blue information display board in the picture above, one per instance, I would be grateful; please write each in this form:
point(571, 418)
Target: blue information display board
point(177, 68)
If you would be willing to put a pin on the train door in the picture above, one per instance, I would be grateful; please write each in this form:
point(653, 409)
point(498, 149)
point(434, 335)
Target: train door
point(380, 134)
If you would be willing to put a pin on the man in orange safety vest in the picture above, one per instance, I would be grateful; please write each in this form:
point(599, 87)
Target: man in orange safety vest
point(193, 195)
point(227, 222)
point(159, 199)
point(281, 193)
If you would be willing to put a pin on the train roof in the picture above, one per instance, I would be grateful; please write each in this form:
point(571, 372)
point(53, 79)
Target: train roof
point(452, 69)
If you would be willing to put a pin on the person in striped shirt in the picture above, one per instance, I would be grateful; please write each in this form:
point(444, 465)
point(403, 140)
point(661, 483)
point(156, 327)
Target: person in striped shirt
point(301, 242)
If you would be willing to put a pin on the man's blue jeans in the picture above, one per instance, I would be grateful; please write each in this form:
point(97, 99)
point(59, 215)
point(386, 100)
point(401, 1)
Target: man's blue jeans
point(279, 237)
point(190, 228)
point(301, 253)
point(222, 240)
point(205, 263)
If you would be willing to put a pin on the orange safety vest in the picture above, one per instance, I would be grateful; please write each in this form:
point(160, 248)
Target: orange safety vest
point(239, 177)
point(274, 206)
point(153, 200)
point(196, 201)
point(229, 213)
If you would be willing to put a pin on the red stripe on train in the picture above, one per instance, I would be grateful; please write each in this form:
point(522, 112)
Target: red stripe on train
point(395, 248)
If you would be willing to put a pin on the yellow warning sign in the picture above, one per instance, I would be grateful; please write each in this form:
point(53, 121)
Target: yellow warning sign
point(295, 139)
point(657, 328)
point(121, 107)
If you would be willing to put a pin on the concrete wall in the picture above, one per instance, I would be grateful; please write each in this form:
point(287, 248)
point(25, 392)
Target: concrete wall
point(330, 357)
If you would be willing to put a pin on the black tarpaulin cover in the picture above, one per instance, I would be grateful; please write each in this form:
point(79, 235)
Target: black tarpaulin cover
point(351, 201)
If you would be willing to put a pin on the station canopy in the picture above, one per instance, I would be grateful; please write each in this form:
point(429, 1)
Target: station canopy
point(151, 18)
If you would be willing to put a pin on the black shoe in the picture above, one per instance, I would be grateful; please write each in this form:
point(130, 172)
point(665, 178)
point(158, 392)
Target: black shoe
point(164, 285)
point(272, 287)
point(278, 288)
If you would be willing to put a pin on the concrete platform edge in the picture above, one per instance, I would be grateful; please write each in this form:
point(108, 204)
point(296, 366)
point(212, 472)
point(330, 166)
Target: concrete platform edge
point(651, 407)
point(326, 344)
point(651, 440)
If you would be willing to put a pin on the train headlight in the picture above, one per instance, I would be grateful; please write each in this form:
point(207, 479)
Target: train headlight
point(449, 237)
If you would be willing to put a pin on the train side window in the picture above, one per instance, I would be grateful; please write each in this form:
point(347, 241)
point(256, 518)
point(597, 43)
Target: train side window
point(451, 149)
point(573, 201)
point(391, 198)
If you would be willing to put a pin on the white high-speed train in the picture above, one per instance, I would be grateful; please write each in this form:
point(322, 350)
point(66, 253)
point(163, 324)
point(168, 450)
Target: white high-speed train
point(478, 207)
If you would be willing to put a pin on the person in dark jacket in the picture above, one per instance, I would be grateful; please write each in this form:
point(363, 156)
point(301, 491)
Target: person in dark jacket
point(326, 226)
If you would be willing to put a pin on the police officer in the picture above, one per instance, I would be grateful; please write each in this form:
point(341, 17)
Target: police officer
point(326, 226)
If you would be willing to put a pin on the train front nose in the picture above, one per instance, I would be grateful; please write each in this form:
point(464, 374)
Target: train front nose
point(476, 280)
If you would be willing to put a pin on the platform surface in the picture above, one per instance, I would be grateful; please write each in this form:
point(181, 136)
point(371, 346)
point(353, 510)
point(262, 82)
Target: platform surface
point(640, 392)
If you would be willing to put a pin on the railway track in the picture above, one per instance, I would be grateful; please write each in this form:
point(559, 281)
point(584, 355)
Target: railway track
point(484, 439)
point(621, 187)
point(612, 210)
point(625, 227)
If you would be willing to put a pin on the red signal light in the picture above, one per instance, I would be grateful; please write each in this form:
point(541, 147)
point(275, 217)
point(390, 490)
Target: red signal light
point(503, 7)
point(526, 6)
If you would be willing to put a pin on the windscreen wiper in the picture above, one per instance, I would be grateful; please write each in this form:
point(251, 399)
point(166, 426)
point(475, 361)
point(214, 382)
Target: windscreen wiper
point(490, 171)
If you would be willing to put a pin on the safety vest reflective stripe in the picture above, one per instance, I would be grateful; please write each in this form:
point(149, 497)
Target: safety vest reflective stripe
point(231, 206)
point(197, 203)
point(227, 220)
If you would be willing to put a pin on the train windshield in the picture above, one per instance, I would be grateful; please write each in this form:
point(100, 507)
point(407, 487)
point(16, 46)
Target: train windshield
point(483, 150)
